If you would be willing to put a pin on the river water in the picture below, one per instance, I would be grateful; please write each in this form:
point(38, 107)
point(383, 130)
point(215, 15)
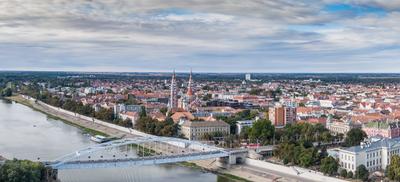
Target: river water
point(29, 134)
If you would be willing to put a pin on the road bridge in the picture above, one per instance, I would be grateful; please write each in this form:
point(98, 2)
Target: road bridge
point(149, 150)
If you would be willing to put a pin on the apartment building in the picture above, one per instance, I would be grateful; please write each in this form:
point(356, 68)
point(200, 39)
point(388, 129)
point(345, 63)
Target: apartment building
point(282, 115)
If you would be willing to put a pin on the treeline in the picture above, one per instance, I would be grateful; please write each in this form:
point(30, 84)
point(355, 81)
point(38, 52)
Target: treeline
point(243, 115)
point(268, 93)
point(144, 123)
point(296, 144)
point(22, 170)
point(160, 128)
point(300, 144)
point(262, 132)
point(78, 107)
point(7, 92)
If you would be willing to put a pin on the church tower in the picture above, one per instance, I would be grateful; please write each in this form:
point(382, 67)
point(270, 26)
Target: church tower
point(173, 102)
point(190, 90)
point(188, 98)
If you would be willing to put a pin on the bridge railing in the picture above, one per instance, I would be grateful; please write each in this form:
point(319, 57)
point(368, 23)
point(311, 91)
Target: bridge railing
point(156, 145)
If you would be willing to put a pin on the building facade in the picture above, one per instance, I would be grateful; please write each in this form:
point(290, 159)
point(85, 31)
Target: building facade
point(195, 130)
point(374, 154)
point(383, 129)
point(282, 115)
point(173, 101)
point(240, 125)
point(341, 127)
point(248, 77)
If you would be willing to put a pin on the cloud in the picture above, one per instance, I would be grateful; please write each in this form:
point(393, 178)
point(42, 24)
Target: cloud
point(211, 35)
point(386, 4)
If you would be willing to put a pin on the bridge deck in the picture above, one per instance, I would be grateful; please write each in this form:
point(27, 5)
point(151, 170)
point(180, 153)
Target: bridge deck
point(129, 162)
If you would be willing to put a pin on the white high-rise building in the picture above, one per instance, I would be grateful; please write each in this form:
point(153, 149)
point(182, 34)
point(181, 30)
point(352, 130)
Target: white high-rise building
point(248, 77)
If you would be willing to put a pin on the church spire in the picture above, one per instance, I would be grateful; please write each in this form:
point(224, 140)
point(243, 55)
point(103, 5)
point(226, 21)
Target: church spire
point(190, 91)
point(173, 103)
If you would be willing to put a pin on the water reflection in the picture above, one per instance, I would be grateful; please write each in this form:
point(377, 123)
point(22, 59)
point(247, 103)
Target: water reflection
point(29, 134)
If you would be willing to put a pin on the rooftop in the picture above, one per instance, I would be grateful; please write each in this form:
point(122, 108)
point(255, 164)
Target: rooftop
point(205, 124)
point(375, 143)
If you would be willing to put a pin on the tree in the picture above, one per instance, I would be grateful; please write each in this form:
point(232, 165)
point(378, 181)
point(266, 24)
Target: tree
point(155, 127)
point(343, 173)
point(354, 137)
point(22, 170)
point(326, 137)
point(7, 92)
point(164, 110)
point(207, 97)
point(329, 165)
point(256, 91)
point(350, 174)
point(143, 112)
point(244, 134)
point(305, 132)
point(393, 170)
point(362, 173)
point(243, 115)
point(263, 131)
point(105, 114)
point(307, 157)
point(125, 123)
point(206, 87)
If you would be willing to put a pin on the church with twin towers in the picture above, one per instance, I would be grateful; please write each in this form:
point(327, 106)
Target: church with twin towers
point(185, 101)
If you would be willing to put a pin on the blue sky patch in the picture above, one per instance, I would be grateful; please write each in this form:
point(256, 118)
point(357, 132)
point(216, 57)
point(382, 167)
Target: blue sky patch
point(354, 9)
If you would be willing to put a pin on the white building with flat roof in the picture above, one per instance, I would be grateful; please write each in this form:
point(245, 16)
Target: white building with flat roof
point(240, 125)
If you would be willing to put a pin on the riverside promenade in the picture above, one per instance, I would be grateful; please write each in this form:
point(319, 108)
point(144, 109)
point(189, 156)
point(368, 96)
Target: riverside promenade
point(74, 119)
point(252, 170)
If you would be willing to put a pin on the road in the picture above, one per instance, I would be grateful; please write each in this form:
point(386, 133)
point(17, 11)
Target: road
point(247, 172)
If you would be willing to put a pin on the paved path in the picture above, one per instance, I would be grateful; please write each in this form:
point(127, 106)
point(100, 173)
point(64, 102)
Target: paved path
point(72, 119)
point(247, 172)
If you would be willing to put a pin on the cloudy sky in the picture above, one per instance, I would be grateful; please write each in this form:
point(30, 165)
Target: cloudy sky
point(206, 35)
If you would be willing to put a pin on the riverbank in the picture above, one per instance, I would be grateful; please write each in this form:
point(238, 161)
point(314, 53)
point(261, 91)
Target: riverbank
point(85, 126)
point(94, 128)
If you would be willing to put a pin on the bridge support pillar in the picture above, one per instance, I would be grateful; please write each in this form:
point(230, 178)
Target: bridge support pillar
point(232, 159)
point(50, 175)
point(223, 162)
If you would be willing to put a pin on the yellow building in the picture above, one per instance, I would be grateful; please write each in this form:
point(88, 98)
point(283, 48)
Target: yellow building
point(195, 130)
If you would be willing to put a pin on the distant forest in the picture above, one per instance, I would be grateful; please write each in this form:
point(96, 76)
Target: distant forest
point(377, 78)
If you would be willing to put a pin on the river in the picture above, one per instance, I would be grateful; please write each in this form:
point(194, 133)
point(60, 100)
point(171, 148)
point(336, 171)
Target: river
point(29, 134)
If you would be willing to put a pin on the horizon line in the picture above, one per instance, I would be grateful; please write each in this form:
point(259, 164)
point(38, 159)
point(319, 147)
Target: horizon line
point(204, 72)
